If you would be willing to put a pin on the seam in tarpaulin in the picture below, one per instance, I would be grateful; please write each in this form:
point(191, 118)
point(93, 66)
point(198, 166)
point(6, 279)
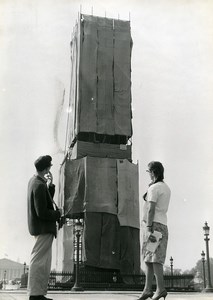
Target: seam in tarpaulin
point(113, 78)
point(74, 102)
point(97, 95)
point(76, 90)
point(120, 89)
point(85, 178)
point(80, 73)
point(117, 184)
point(77, 95)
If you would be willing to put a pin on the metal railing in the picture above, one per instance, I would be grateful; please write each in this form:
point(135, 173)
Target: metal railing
point(115, 281)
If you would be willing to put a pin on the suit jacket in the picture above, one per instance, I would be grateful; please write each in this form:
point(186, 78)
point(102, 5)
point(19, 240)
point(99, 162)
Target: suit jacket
point(42, 216)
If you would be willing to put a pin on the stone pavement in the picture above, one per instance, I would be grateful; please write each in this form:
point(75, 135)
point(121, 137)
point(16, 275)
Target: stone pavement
point(100, 295)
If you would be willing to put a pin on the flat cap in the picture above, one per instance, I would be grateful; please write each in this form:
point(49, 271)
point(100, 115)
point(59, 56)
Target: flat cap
point(43, 162)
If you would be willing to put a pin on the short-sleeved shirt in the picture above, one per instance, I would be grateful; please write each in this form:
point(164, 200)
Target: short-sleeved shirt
point(160, 194)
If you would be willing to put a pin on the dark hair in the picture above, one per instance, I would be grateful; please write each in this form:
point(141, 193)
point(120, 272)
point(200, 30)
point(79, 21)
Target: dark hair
point(43, 162)
point(157, 168)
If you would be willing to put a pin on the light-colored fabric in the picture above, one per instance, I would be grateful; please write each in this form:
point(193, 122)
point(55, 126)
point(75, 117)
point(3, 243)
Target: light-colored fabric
point(40, 265)
point(159, 255)
point(128, 194)
point(160, 194)
point(68, 249)
point(74, 82)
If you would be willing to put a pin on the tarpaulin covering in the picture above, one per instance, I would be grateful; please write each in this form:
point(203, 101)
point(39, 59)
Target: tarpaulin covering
point(74, 186)
point(110, 246)
point(61, 186)
point(122, 73)
point(81, 149)
point(128, 193)
point(101, 77)
point(105, 109)
point(88, 76)
point(107, 185)
point(106, 191)
point(129, 250)
point(68, 241)
point(73, 116)
point(65, 249)
point(90, 185)
point(101, 188)
point(102, 244)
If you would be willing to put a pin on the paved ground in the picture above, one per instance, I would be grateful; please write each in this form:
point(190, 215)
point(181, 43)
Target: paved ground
point(22, 295)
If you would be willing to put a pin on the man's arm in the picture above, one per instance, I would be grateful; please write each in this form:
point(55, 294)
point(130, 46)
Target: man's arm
point(40, 203)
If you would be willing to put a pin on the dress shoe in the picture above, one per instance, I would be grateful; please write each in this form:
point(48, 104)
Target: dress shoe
point(145, 296)
point(45, 298)
point(39, 297)
point(163, 294)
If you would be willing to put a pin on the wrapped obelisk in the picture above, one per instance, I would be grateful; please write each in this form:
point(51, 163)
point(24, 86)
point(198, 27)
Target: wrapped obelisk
point(98, 181)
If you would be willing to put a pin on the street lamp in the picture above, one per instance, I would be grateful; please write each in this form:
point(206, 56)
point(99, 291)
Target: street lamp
point(206, 230)
point(204, 273)
point(78, 228)
point(5, 272)
point(24, 267)
point(171, 266)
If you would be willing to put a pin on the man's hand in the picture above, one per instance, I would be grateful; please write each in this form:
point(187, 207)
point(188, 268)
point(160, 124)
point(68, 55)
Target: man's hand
point(49, 178)
point(61, 222)
point(61, 211)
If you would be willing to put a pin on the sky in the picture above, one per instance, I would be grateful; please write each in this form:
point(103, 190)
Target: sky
point(172, 102)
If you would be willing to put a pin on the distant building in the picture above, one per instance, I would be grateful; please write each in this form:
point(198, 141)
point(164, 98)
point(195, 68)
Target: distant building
point(10, 270)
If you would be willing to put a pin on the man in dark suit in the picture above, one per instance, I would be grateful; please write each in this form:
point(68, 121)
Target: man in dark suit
point(42, 217)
